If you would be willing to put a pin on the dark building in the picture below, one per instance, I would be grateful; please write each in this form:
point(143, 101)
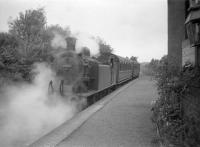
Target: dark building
point(176, 31)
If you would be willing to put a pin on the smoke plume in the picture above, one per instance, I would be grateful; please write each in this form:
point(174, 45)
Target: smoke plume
point(28, 111)
point(86, 40)
point(58, 41)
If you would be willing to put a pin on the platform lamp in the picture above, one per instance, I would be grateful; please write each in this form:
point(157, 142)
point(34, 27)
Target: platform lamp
point(192, 24)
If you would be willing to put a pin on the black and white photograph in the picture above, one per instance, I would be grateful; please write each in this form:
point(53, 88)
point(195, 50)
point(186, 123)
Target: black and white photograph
point(99, 73)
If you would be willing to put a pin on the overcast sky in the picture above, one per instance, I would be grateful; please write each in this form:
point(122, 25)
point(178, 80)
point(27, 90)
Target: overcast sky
point(131, 27)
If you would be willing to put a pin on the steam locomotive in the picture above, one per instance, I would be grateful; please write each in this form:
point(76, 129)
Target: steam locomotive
point(93, 78)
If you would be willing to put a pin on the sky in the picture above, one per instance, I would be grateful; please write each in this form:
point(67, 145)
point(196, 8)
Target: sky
point(132, 27)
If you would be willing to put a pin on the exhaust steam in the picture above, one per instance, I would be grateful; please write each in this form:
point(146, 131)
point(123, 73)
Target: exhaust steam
point(28, 111)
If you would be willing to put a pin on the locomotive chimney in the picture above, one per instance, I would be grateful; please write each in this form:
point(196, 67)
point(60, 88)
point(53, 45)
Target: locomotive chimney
point(71, 42)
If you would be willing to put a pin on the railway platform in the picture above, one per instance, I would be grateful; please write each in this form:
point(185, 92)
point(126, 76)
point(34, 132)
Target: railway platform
point(121, 119)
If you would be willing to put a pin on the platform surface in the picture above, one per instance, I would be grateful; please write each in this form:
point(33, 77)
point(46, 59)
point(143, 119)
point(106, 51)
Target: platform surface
point(123, 122)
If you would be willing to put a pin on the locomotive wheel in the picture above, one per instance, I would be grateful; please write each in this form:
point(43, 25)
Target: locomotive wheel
point(50, 88)
point(61, 87)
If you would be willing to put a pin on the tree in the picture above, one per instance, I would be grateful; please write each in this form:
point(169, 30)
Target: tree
point(29, 28)
point(134, 59)
point(12, 66)
point(8, 53)
point(104, 51)
point(104, 48)
point(153, 66)
point(7, 39)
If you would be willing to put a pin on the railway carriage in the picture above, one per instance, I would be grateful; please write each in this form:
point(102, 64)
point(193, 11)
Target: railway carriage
point(121, 69)
point(116, 70)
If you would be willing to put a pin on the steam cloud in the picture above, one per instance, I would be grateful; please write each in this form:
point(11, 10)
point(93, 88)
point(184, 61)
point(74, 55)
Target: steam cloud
point(58, 41)
point(85, 40)
point(82, 40)
point(28, 111)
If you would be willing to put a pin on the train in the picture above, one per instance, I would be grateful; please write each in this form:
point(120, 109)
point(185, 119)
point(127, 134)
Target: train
point(98, 76)
point(93, 77)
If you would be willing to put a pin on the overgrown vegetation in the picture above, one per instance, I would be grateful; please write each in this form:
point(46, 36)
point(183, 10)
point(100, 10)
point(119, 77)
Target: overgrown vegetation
point(12, 66)
point(176, 111)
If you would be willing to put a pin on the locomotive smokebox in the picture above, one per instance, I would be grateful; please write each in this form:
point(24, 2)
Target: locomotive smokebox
point(71, 43)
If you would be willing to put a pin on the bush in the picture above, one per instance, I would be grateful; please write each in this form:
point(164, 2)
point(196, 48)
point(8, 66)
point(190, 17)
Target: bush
point(177, 112)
